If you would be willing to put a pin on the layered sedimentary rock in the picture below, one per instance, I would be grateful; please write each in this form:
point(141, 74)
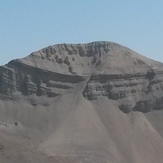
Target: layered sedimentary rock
point(107, 69)
point(138, 92)
point(66, 103)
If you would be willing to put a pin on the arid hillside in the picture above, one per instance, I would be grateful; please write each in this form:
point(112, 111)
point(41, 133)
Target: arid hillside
point(81, 103)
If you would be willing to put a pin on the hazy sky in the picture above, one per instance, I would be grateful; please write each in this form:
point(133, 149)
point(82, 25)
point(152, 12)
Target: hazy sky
point(29, 25)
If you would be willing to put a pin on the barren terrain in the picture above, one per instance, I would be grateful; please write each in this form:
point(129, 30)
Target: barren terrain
point(81, 103)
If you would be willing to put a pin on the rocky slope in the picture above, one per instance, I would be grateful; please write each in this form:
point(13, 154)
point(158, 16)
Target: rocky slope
point(109, 69)
point(81, 103)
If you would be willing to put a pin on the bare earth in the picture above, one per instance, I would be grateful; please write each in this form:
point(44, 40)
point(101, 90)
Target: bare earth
point(86, 103)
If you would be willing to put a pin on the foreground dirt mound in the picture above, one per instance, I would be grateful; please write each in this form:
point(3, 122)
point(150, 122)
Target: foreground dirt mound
point(98, 102)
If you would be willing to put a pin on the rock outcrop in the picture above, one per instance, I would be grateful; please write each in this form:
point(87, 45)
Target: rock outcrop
point(111, 70)
point(138, 92)
point(90, 103)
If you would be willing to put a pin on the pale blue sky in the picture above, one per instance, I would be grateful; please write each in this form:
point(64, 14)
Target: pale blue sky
point(29, 25)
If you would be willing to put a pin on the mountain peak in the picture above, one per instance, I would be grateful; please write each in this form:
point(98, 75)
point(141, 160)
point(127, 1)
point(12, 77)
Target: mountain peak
point(88, 103)
point(112, 57)
point(111, 70)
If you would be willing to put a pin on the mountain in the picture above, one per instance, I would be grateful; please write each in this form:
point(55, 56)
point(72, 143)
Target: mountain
point(82, 103)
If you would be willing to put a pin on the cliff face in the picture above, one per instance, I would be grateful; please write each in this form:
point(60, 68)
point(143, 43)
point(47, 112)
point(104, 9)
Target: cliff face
point(138, 92)
point(105, 69)
point(27, 80)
